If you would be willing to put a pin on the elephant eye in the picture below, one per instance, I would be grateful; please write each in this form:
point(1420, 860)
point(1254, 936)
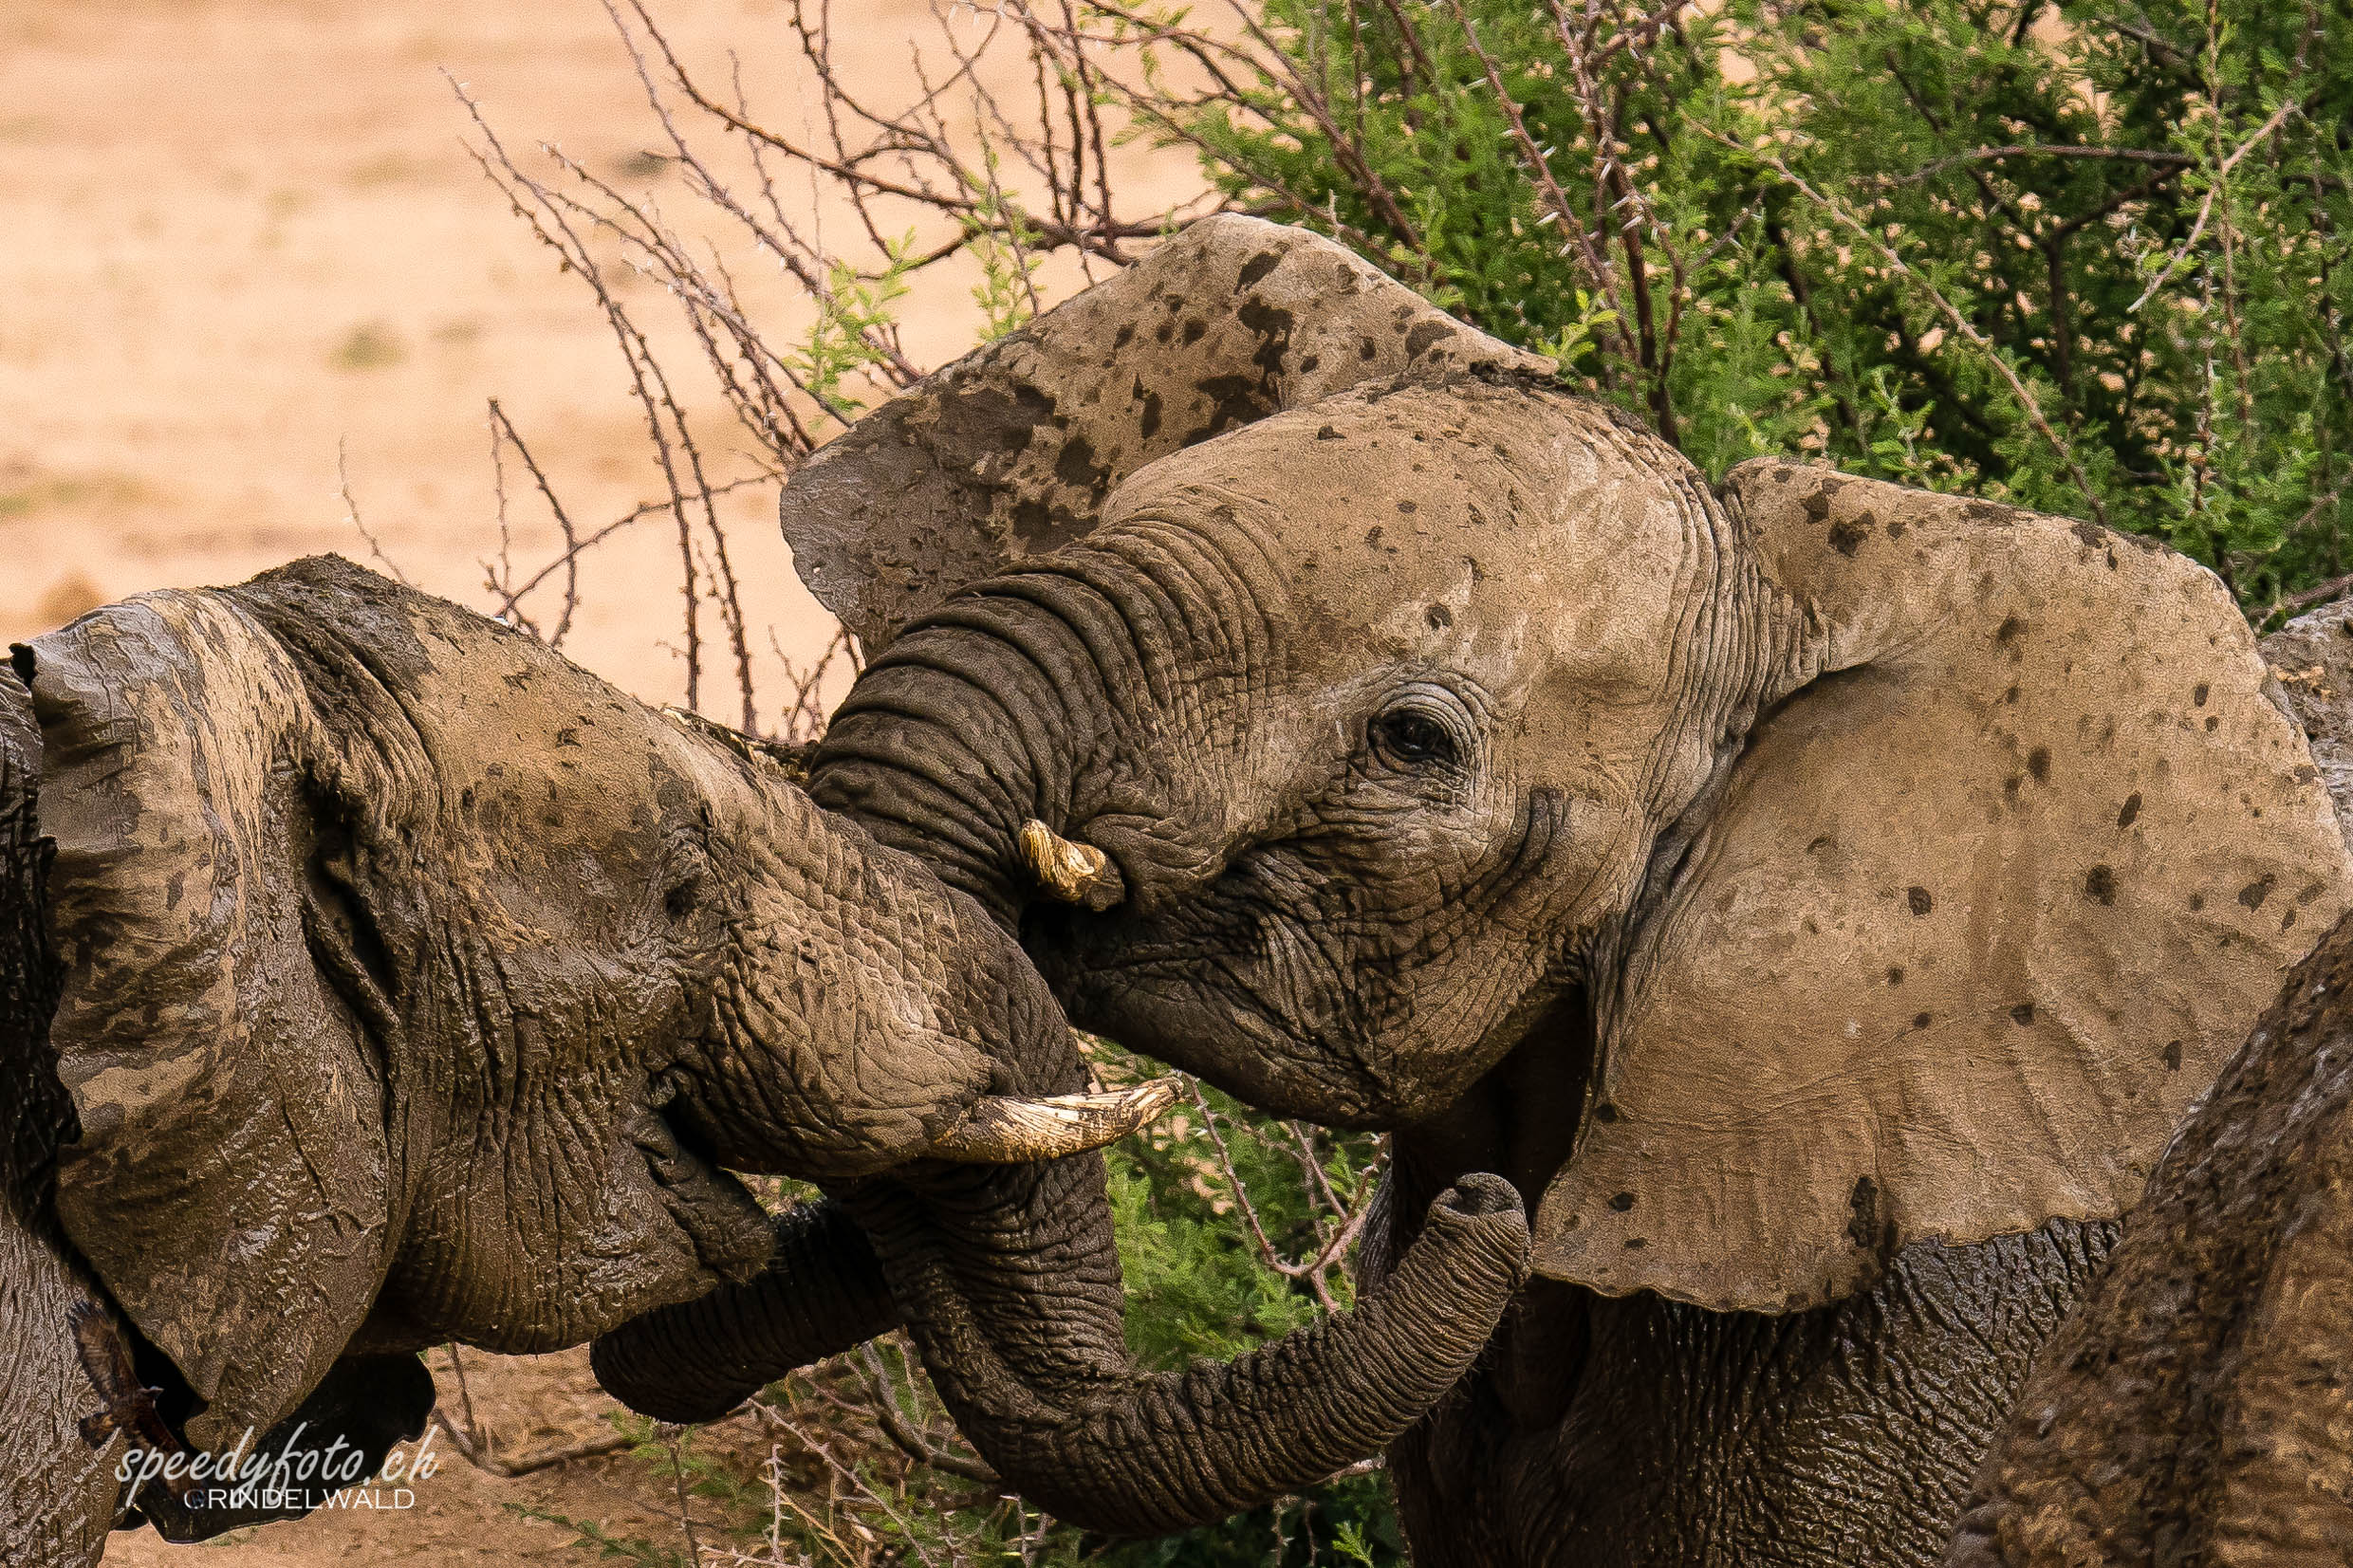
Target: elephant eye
point(1413, 737)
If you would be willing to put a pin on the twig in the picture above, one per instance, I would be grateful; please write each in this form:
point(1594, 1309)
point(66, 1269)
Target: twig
point(481, 1458)
point(502, 429)
point(1995, 154)
point(686, 1517)
point(910, 1442)
point(1959, 323)
point(351, 512)
point(473, 1444)
point(2205, 208)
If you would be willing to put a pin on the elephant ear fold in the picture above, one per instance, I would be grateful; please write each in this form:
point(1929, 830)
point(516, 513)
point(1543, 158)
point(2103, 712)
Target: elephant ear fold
point(229, 1180)
point(2018, 850)
point(1010, 450)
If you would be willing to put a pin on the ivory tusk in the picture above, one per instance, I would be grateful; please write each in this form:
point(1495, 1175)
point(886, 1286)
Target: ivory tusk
point(1007, 1130)
point(1076, 873)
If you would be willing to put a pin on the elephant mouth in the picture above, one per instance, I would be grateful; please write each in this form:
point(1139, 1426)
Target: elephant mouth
point(1211, 1000)
point(718, 1216)
point(1239, 998)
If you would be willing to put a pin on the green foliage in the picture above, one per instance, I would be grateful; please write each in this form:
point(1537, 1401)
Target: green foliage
point(1003, 240)
point(842, 342)
point(2090, 258)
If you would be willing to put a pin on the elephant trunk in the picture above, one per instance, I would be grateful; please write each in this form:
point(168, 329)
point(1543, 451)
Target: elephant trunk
point(1024, 1345)
point(946, 761)
point(821, 1293)
point(1014, 713)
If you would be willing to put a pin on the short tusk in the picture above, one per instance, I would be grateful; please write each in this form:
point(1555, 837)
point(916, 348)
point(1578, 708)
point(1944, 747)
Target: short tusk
point(1076, 873)
point(1007, 1130)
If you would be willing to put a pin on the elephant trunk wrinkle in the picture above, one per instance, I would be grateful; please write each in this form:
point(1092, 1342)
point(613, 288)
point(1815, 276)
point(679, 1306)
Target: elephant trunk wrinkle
point(1021, 701)
point(822, 1292)
point(1130, 1453)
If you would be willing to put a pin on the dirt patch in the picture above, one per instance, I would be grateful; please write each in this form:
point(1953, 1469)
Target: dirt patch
point(528, 1406)
point(246, 235)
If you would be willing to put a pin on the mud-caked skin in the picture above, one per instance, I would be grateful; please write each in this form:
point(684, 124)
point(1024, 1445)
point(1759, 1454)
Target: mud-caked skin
point(56, 1493)
point(374, 979)
point(1773, 878)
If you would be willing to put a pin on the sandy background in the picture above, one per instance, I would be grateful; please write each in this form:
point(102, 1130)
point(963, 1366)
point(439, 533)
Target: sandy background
point(242, 235)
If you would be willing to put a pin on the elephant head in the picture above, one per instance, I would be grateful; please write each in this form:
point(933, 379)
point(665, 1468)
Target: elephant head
point(417, 986)
point(1778, 872)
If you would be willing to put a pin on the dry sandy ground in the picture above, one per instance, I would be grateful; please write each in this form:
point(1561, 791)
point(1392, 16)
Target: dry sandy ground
point(244, 233)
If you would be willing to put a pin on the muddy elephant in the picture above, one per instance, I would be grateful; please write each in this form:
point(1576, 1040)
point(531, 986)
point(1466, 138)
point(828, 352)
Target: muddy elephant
point(374, 979)
point(2198, 1409)
point(1820, 900)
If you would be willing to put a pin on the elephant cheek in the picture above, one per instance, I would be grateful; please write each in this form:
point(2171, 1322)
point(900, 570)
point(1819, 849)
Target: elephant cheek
point(524, 1264)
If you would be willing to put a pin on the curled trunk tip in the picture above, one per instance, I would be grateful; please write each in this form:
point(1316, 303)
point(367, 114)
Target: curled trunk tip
point(1012, 1129)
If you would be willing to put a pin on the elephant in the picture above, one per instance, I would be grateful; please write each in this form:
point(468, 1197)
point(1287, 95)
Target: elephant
point(1818, 899)
point(374, 978)
point(2199, 1406)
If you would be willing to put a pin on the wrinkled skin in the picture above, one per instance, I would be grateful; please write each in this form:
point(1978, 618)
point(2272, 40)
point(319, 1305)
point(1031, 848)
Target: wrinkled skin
point(2198, 1408)
point(1467, 766)
point(1641, 1430)
point(402, 984)
point(60, 1498)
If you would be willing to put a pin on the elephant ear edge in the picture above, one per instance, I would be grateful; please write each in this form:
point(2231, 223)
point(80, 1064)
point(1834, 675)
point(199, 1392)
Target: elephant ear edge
point(1010, 450)
point(230, 1180)
point(2021, 845)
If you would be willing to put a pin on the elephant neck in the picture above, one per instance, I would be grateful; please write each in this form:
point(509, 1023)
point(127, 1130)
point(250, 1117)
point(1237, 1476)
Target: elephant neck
point(1519, 1121)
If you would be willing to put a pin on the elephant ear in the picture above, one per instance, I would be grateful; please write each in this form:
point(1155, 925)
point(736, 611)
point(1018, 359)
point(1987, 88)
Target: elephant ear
point(228, 1183)
point(1010, 450)
point(2020, 847)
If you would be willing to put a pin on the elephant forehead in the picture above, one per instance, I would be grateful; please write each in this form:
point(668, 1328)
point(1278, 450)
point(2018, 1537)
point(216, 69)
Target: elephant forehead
point(1517, 535)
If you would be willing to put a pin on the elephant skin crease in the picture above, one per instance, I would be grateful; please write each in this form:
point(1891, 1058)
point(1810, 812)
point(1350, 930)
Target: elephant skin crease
point(822, 1292)
point(2198, 1409)
point(1821, 899)
point(57, 1492)
point(414, 986)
